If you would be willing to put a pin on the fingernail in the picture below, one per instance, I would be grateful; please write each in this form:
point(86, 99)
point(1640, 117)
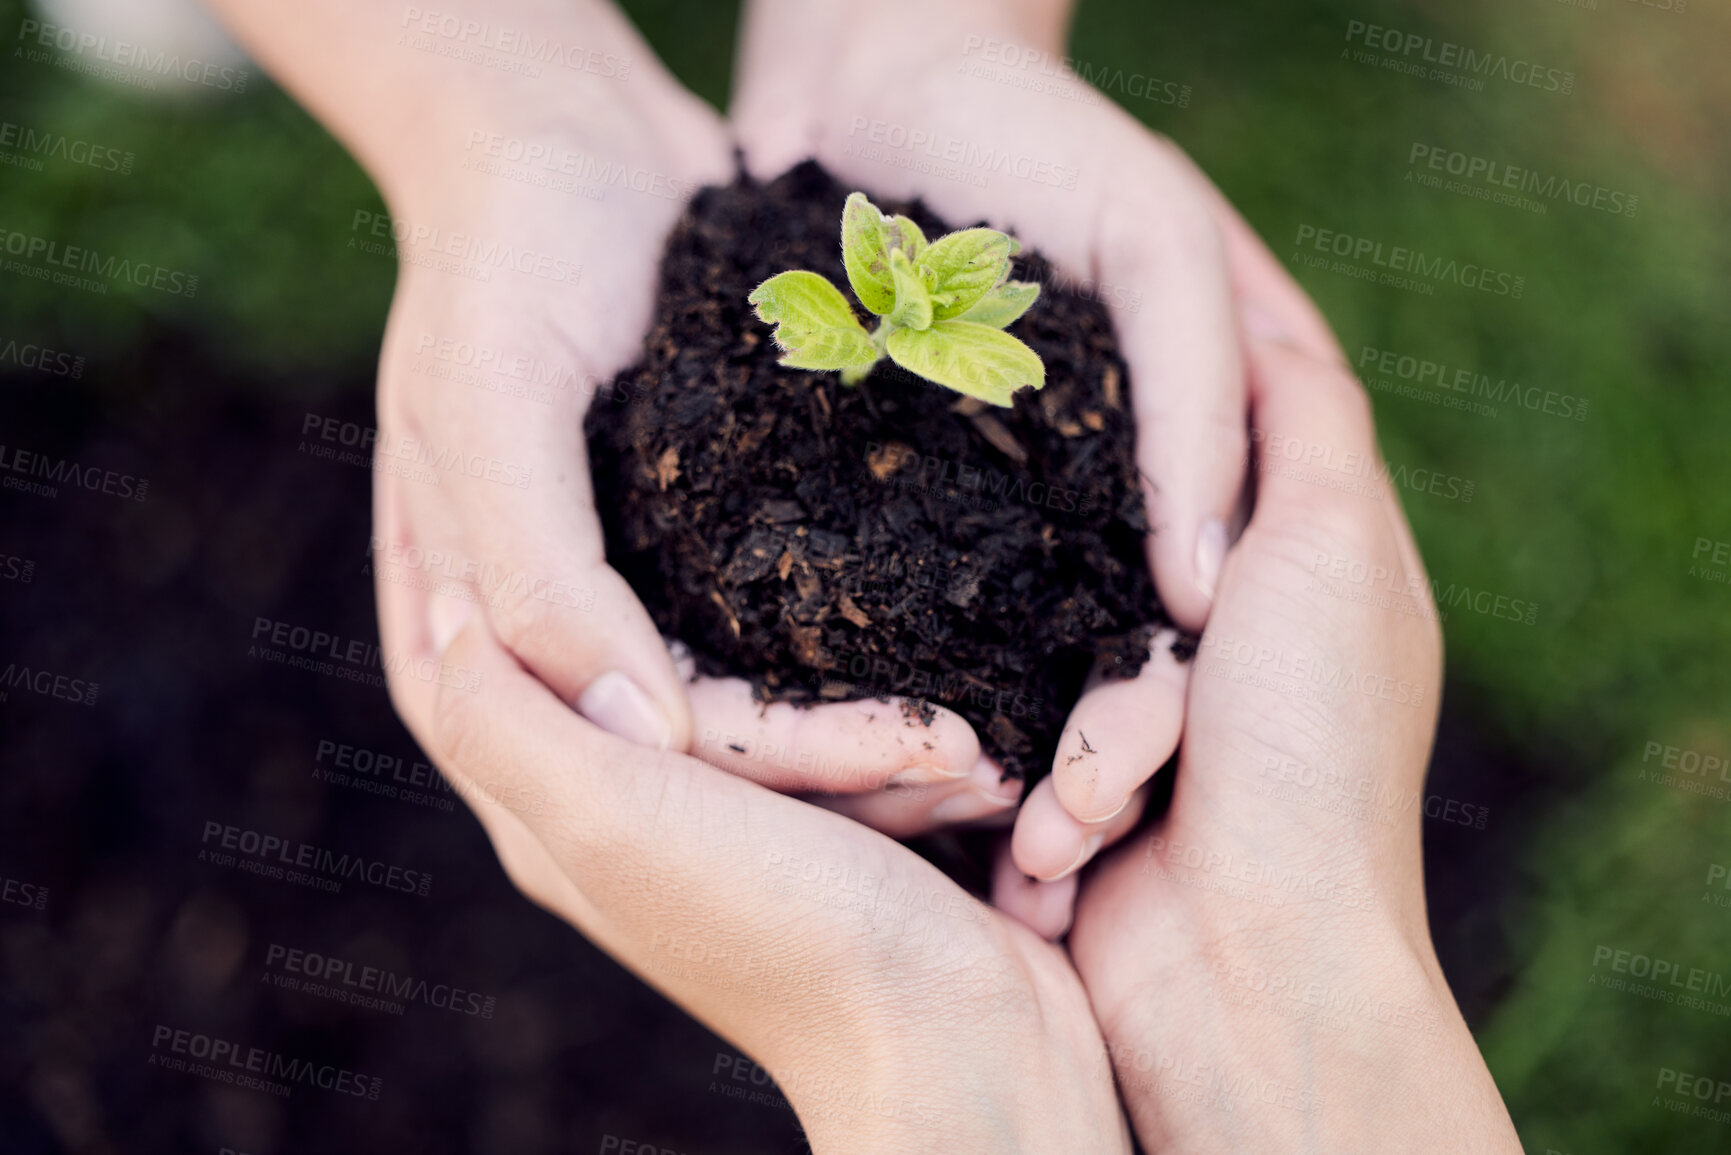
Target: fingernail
point(926, 775)
point(968, 806)
point(1090, 844)
point(1262, 324)
point(988, 778)
point(1055, 908)
point(619, 706)
point(447, 617)
point(990, 793)
point(1210, 552)
point(1108, 816)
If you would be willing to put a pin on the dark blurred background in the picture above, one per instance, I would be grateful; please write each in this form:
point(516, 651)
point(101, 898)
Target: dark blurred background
point(1585, 737)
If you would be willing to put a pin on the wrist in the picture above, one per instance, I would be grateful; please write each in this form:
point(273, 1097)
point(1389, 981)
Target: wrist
point(388, 80)
point(418, 95)
point(887, 24)
point(554, 97)
point(949, 1100)
point(1344, 1036)
point(792, 51)
point(1012, 1063)
point(883, 1081)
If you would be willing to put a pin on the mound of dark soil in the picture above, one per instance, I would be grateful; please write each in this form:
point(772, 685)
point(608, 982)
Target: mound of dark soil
point(832, 542)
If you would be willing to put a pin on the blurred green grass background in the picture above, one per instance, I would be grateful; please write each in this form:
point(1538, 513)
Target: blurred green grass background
point(1594, 521)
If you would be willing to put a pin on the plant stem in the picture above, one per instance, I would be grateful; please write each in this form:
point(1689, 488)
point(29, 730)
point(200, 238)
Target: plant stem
point(880, 336)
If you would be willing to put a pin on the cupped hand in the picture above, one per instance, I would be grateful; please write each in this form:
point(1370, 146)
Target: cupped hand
point(899, 98)
point(529, 223)
point(897, 1012)
point(1259, 958)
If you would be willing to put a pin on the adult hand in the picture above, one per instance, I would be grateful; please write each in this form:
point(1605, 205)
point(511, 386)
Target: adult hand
point(1090, 779)
point(530, 198)
point(1259, 959)
point(891, 97)
point(897, 1013)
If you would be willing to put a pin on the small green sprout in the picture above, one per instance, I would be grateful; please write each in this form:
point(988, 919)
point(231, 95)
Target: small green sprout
point(942, 307)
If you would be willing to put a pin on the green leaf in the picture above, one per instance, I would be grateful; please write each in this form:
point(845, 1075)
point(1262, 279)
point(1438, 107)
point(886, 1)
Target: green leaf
point(802, 300)
point(865, 248)
point(1003, 304)
point(913, 302)
point(813, 322)
point(833, 348)
point(906, 236)
point(963, 267)
point(973, 359)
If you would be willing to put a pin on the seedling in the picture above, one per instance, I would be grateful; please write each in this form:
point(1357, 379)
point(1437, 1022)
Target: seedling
point(942, 307)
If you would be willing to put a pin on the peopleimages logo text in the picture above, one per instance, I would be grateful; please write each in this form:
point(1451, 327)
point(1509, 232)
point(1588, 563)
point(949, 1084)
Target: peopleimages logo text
point(1440, 375)
point(22, 893)
point(125, 54)
point(1400, 259)
point(1670, 972)
point(580, 166)
point(86, 260)
point(42, 359)
point(472, 254)
point(1446, 54)
point(48, 684)
point(305, 856)
point(1501, 175)
point(967, 154)
point(443, 458)
point(344, 976)
point(228, 1059)
point(525, 44)
point(875, 672)
point(312, 647)
point(59, 146)
point(63, 471)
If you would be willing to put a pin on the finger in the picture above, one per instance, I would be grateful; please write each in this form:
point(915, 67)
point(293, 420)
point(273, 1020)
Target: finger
point(1273, 304)
point(1182, 349)
point(594, 645)
point(531, 548)
point(405, 615)
point(618, 819)
point(1119, 734)
point(771, 104)
point(1275, 309)
point(418, 626)
point(1050, 845)
point(654, 847)
point(661, 849)
point(1318, 462)
point(1046, 908)
point(903, 810)
point(836, 747)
